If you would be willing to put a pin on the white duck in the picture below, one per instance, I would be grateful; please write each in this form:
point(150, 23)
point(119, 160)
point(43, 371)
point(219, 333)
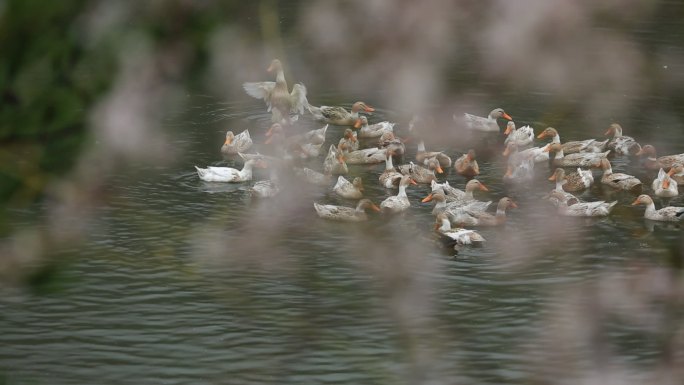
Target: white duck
point(236, 143)
point(279, 100)
point(664, 186)
point(455, 236)
point(489, 123)
point(583, 209)
point(523, 136)
point(374, 131)
point(400, 202)
point(346, 214)
point(228, 174)
point(667, 214)
point(347, 189)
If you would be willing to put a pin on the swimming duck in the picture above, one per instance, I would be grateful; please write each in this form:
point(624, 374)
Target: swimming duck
point(266, 188)
point(279, 100)
point(349, 139)
point(523, 136)
point(583, 209)
point(334, 163)
point(576, 181)
point(236, 143)
point(489, 123)
point(520, 173)
point(456, 197)
point(580, 159)
point(347, 189)
point(390, 177)
point(389, 141)
point(664, 186)
point(622, 145)
point(677, 173)
point(465, 218)
point(668, 214)
point(229, 174)
point(619, 180)
point(653, 162)
point(374, 131)
point(515, 157)
point(466, 165)
point(455, 236)
point(400, 202)
point(313, 177)
point(309, 150)
point(422, 174)
point(572, 147)
point(371, 155)
point(346, 214)
point(422, 156)
point(452, 193)
point(338, 115)
point(441, 205)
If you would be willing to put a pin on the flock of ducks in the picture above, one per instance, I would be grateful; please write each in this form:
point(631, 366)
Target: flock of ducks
point(456, 211)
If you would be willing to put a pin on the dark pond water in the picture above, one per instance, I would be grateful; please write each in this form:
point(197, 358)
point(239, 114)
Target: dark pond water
point(182, 281)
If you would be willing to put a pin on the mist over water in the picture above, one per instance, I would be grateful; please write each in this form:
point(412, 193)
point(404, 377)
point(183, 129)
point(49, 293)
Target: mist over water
point(171, 279)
